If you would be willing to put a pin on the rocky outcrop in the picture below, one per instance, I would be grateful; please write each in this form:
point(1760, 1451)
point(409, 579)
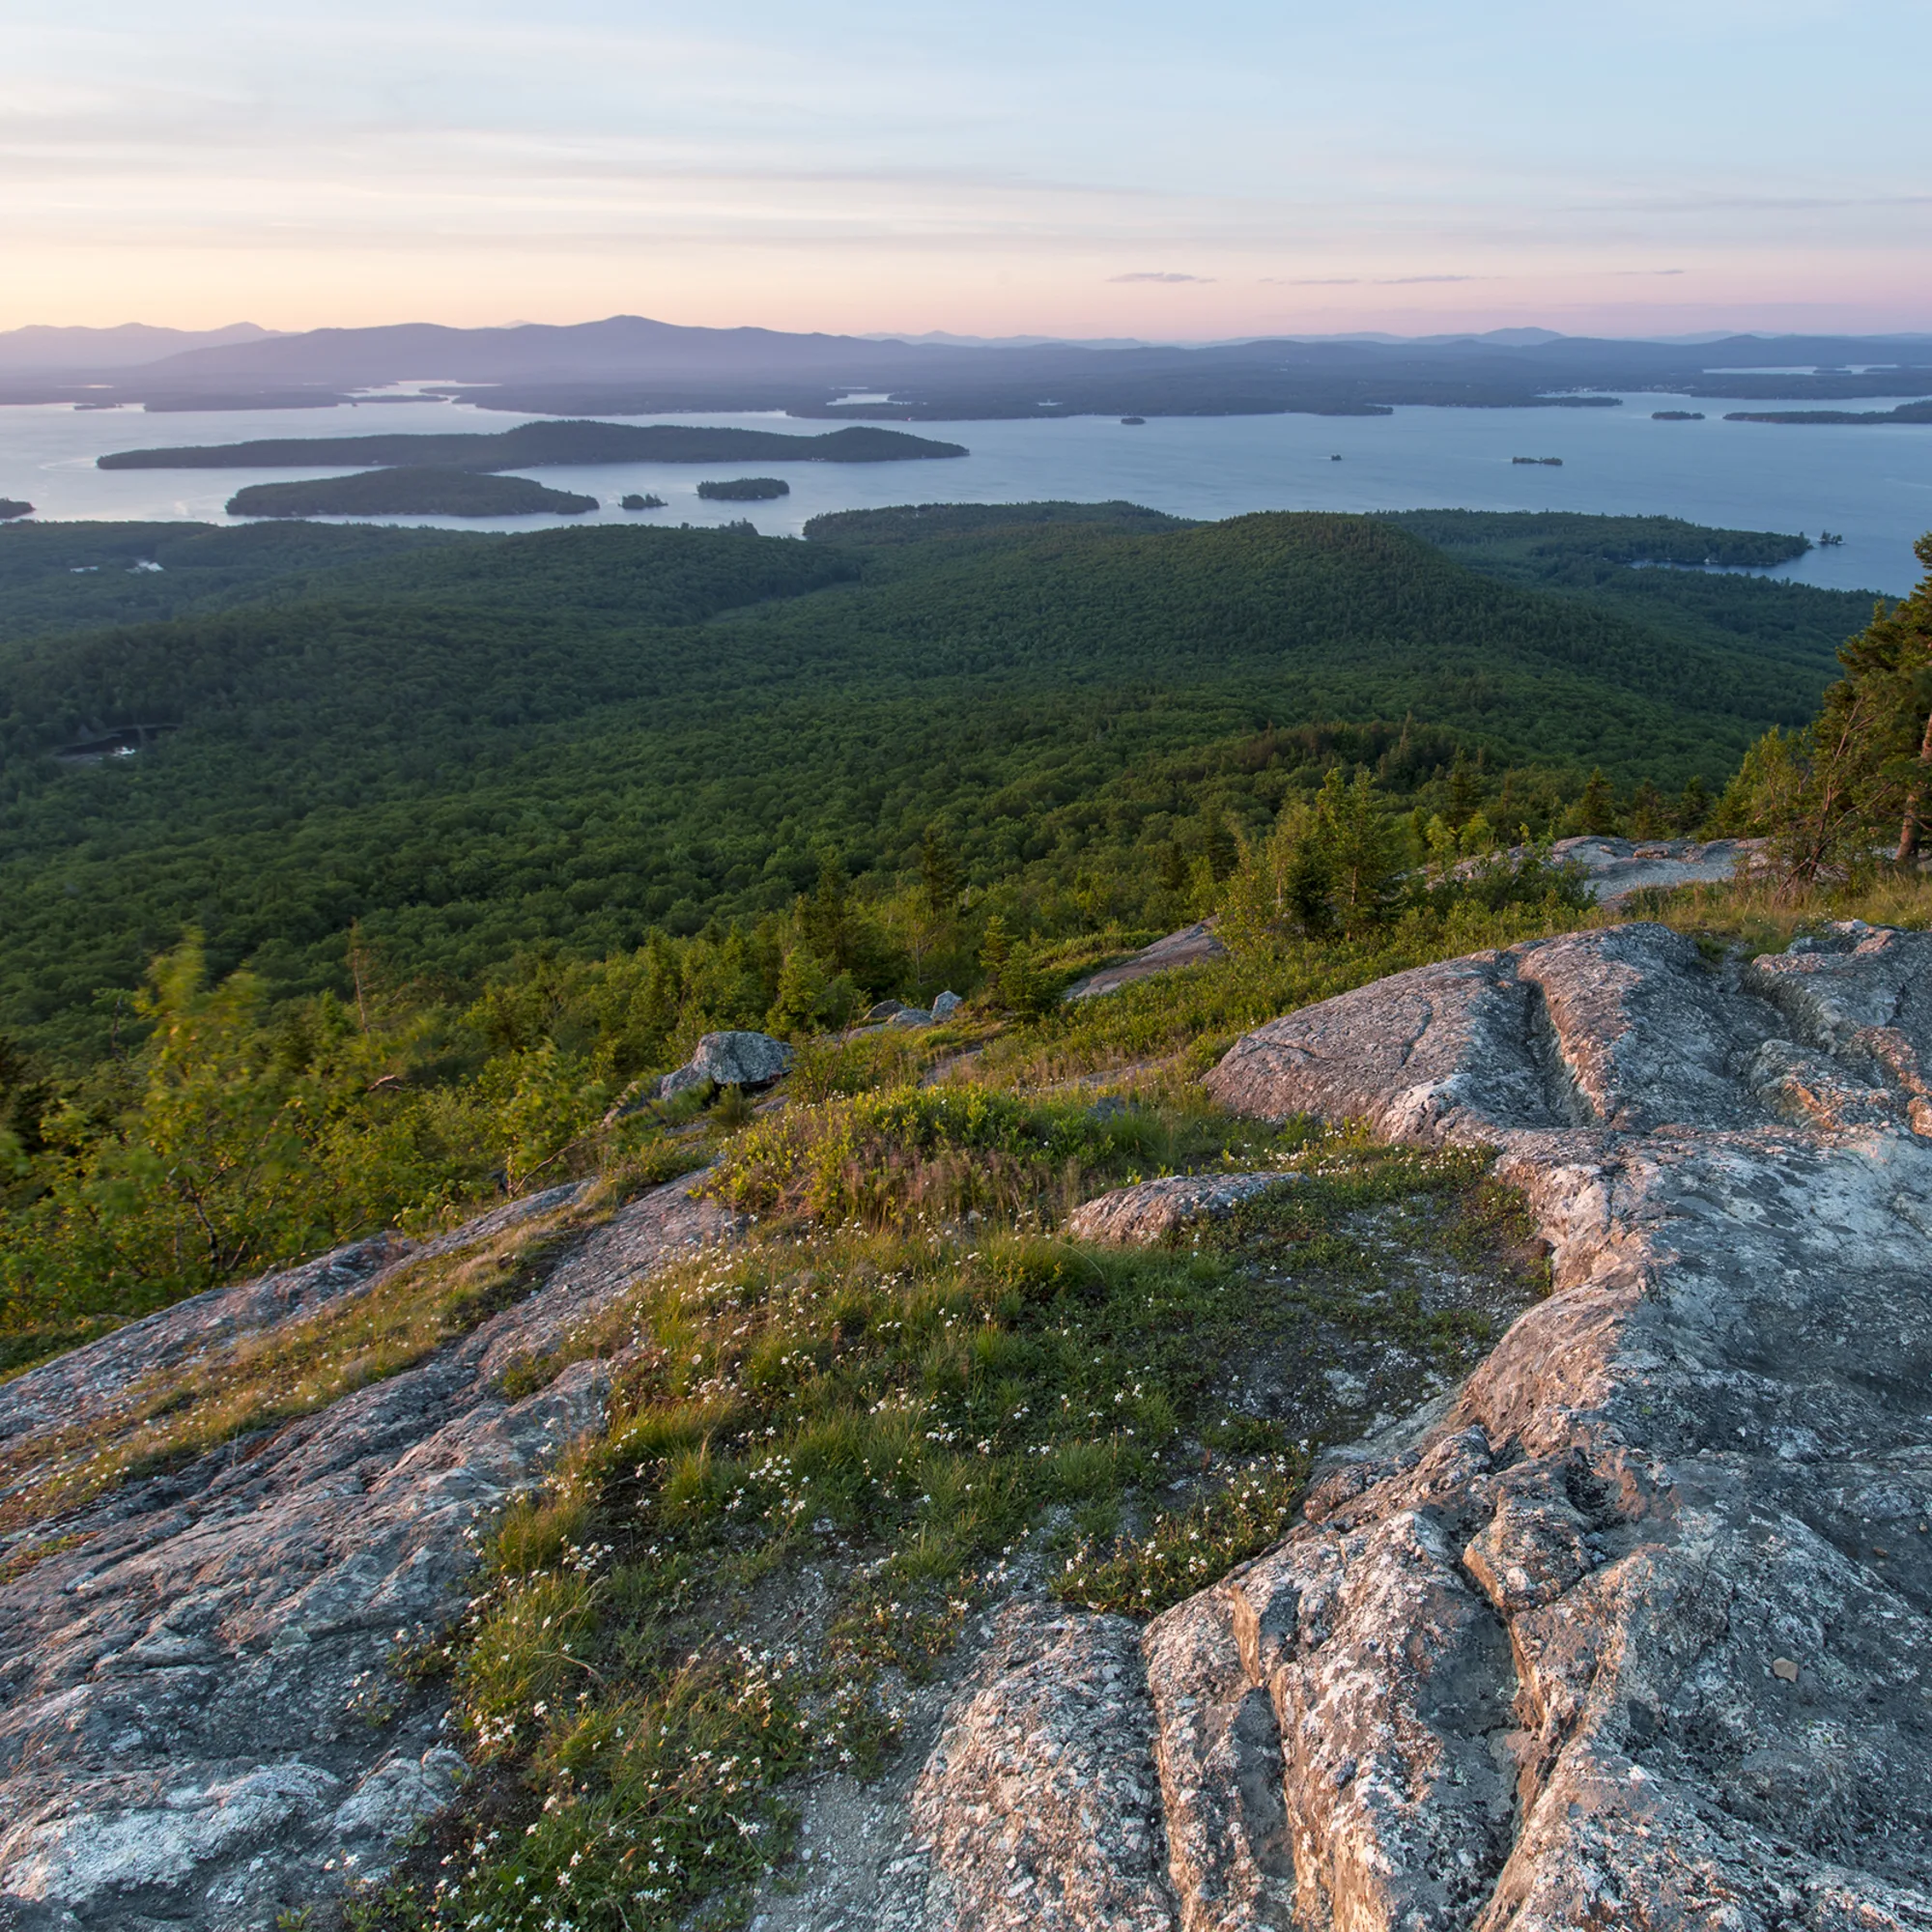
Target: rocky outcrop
point(747, 1059)
point(1191, 946)
point(1638, 1630)
point(1038, 1812)
point(1155, 1211)
point(1613, 869)
point(199, 1726)
point(1634, 1629)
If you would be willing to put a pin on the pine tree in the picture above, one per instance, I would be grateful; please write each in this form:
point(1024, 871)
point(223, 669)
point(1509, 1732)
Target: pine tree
point(940, 874)
point(1596, 808)
point(994, 946)
point(1694, 807)
point(1220, 847)
point(1361, 846)
point(824, 917)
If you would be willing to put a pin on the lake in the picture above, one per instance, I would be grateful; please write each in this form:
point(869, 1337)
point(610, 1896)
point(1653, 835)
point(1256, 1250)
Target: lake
point(1873, 484)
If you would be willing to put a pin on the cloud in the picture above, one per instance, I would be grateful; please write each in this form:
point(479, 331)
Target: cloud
point(1366, 282)
point(1157, 275)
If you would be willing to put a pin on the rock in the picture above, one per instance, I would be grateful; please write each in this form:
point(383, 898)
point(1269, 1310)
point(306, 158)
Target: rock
point(1154, 1210)
point(1038, 1809)
point(879, 1014)
point(946, 1005)
point(747, 1059)
point(199, 1723)
point(911, 1016)
point(1188, 946)
point(1613, 869)
point(1536, 1640)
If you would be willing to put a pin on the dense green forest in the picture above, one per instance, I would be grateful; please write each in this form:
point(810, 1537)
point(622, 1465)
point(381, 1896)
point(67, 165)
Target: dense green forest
point(1905, 412)
point(744, 489)
point(435, 846)
point(470, 745)
point(533, 445)
point(425, 491)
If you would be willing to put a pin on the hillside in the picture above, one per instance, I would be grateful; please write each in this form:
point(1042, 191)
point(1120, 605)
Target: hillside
point(912, 1517)
point(573, 736)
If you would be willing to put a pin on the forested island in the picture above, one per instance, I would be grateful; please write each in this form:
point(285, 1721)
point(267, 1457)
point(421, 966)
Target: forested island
point(637, 502)
point(545, 444)
point(1677, 415)
point(10, 507)
point(744, 489)
point(1905, 412)
point(427, 491)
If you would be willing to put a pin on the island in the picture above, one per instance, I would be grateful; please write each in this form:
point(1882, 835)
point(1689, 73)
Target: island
point(1905, 412)
point(536, 445)
point(744, 489)
point(1677, 415)
point(9, 509)
point(1133, 422)
point(1539, 461)
point(426, 492)
point(636, 502)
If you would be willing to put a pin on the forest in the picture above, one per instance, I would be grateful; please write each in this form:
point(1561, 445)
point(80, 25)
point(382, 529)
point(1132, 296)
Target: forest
point(426, 490)
point(536, 445)
point(467, 746)
point(434, 844)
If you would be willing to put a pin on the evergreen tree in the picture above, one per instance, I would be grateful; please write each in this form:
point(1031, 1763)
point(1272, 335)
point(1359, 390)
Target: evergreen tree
point(1596, 808)
point(1220, 847)
point(1023, 988)
point(994, 946)
point(1694, 807)
point(940, 874)
point(1648, 818)
point(825, 915)
point(1362, 849)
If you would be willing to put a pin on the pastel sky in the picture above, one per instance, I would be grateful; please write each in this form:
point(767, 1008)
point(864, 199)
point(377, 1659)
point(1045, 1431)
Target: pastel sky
point(1084, 167)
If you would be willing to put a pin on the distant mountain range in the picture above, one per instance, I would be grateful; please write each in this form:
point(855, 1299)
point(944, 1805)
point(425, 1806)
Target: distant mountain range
point(130, 344)
point(629, 365)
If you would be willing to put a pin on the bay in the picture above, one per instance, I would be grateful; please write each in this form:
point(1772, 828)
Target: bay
point(1873, 484)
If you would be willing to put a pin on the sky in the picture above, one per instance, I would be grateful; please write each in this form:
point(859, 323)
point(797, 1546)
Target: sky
point(1071, 167)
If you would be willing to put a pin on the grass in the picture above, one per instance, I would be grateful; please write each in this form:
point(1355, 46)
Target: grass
point(921, 1413)
point(1191, 1016)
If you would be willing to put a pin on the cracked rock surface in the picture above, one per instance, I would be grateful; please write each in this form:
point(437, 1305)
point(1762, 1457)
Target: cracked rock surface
point(184, 1742)
point(1635, 1632)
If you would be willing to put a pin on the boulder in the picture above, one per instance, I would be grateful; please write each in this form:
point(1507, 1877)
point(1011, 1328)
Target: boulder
point(946, 1005)
point(1152, 1211)
point(747, 1060)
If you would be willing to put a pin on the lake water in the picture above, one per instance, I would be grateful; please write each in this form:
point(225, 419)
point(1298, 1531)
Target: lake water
point(1874, 484)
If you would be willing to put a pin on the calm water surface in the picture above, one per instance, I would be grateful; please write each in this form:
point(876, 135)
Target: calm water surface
point(1873, 484)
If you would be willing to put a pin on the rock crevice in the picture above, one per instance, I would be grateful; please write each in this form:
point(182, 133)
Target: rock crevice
point(1638, 1631)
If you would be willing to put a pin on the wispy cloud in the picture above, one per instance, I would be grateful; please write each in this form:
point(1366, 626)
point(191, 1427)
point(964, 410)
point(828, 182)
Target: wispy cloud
point(1367, 281)
point(1158, 276)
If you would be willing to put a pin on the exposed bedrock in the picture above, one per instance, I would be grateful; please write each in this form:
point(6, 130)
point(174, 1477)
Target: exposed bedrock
point(196, 1721)
point(1636, 1634)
